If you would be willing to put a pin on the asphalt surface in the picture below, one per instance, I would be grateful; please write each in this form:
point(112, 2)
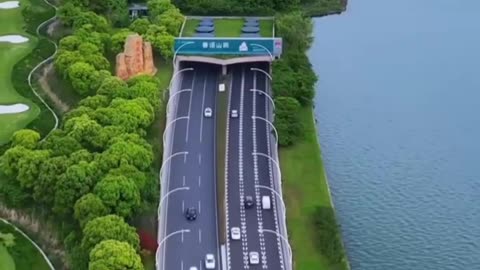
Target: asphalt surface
point(195, 170)
point(246, 171)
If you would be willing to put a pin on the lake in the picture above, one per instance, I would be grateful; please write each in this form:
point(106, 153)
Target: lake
point(398, 109)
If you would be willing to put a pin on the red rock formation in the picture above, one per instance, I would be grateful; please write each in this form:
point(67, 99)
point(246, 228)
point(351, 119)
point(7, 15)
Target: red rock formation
point(137, 58)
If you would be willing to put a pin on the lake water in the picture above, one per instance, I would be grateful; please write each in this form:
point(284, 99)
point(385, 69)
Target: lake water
point(398, 108)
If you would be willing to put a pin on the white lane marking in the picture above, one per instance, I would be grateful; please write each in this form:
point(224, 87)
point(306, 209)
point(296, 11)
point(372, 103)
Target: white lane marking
point(270, 172)
point(203, 107)
point(256, 178)
point(164, 233)
point(200, 235)
point(199, 206)
point(183, 181)
point(181, 265)
point(227, 221)
point(183, 206)
point(201, 264)
point(199, 158)
point(199, 180)
point(190, 106)
point(185, 159)
point(243, 219)
point(182, 236)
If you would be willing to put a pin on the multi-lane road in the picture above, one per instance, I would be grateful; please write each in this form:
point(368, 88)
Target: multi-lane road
point(190, 180)
point(246, 171)
point(195, 170)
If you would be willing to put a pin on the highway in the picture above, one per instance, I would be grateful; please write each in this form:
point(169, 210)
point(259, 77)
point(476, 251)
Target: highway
point(195, 170)
point(246, 171)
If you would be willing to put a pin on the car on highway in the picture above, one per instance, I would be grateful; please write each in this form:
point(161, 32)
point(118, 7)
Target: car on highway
point(249, 202)
point(234, 114)
point(208, 112)
point(235, 233)
point(191, 213)
point(254, 257)
point(193, 268)
point(209, 261)
point(266, 204)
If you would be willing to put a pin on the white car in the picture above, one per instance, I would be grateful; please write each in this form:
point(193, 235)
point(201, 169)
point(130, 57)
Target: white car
point(235, 233)
point(208, 112)
point(234, 114)
point(254, 257)
point(209, 261)
point(193, 268)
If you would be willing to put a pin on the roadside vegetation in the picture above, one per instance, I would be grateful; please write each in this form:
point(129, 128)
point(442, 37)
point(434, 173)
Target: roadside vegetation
point(97, 174)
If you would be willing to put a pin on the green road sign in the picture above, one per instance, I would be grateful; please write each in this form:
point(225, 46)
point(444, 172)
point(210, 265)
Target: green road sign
point(228, 46)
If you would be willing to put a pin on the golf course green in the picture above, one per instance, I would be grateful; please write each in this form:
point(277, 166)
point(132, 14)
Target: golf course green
point(11, 23)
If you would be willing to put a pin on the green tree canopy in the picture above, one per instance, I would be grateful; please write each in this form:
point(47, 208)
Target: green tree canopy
point(29, 167)
point(117, 41)
point(84, 77)
point(287, 120)
point(126, 153)
point(114, 255)
point(78, 180)
point(26, 137)
point(95, 102)
point(85, 130)
point(161, 40)
point(111, 86)
point(108, 227)
point(140, 26)
point(157, 7)
point(171, 19)
point(88, 207)
point(50, 171)
point(296, 30)
point(119, 194)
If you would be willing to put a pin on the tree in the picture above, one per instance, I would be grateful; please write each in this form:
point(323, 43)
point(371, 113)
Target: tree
point(296, 30)
point(114, 255)
point(119, 194)
point(287, 120)
point(140, 26)
point(117, 41)
point(142, 89)
point(9, 162)
point(160, 40)
point(85, 130)
point(78, 180)
point(26, 137)
point(99, 23)
point(79, 111)
point(111, 86)
point(65, 59)
point(88, 207)
point(126, 153)
point(29, 167)
point(130, 172)
point(67, 13)
point(157, 7)
point(50, 171)
point(70, 43)
point(84, 77)
point(115, 10)
point(108, 227)
point(88, 33)
point(171, 19)
point(285, 4)
point(81, 155)
point(95, 57)
point(129, 114)
point(95, 102)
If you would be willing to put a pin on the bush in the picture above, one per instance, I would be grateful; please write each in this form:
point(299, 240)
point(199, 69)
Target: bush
point(287, 120)
point(328, 234)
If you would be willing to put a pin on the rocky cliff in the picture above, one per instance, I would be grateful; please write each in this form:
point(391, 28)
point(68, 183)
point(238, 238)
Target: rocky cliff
point(137, 58)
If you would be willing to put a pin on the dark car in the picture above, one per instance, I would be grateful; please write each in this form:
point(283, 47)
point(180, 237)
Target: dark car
point(249, 202)
point(191, 214)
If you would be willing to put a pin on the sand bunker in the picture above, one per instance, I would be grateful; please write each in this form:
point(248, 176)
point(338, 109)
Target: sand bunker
point(14, 108)
point(9, 5)
point(13, 39)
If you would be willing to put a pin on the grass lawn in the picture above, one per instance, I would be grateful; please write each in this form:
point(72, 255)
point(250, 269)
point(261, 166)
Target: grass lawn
point(6, 261)
point(12, 23)
point(304, 188)
point(228, 27)
point(24, 254)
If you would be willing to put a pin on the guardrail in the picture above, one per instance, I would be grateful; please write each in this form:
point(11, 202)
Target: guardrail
point(282, 226)
point(167, 151)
